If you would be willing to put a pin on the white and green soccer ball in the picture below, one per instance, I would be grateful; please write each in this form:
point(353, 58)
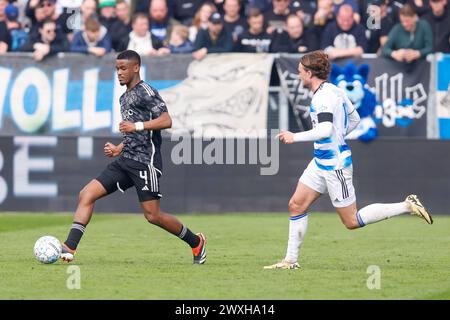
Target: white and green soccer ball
point(47, 249)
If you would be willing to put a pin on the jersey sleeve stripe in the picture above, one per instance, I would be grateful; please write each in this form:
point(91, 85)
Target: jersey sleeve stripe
point(148, 89)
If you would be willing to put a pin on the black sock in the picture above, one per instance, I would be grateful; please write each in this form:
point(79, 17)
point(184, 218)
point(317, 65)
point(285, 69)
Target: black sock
point(187, 236)
point(75, 234)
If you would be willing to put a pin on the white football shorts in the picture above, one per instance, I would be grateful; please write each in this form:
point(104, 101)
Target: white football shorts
point(338, 183)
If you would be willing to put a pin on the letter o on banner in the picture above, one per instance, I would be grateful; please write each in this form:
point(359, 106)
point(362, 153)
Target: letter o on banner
point(30, 77)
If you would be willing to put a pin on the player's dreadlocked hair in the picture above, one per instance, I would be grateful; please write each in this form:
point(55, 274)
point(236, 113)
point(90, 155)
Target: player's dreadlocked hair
point(129, 55)
point(317, 62)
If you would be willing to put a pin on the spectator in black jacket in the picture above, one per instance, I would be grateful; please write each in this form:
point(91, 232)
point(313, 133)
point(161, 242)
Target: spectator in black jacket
point(344, 38)
point(233, 21)
point(5, 38)
point(184, 10)
point(18, 34)
point(39, 11)
point(47, 42)
point(323, 16)
point(378, 24)
point(161, 24)
point(107, 9)
point(213, 40)
point(295, 39)
point(255, 39)
point(439, 20)
point(276, 17)
point(122, 27)
point(421, 7)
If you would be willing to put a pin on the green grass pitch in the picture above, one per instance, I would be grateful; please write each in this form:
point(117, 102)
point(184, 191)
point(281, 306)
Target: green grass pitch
point(124, 257)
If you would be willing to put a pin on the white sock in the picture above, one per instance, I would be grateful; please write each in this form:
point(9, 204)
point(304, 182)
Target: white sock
point(380, 211)
point(297, 230)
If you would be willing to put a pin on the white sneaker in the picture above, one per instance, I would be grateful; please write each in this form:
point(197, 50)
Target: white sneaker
point(283, 264)
point(418, 209)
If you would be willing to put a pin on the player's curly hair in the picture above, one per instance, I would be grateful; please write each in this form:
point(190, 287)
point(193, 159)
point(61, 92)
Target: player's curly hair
point(317, 62)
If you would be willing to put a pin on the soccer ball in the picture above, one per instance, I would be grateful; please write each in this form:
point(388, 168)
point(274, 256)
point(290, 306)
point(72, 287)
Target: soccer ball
point(47, 249)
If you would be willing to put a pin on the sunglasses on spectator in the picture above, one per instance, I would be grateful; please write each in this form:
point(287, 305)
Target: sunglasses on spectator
point(50, 31)
point(45, 4)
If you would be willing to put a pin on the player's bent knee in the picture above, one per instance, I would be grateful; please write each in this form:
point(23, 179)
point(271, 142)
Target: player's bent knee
point(85, 196)
point(351, 224)
point(296, 208)
point(152, 217)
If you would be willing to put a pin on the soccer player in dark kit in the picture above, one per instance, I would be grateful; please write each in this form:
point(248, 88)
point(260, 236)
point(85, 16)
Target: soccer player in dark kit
point(139, 163)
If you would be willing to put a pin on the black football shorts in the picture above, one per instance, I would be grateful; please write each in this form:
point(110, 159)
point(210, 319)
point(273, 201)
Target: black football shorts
point(124, 173)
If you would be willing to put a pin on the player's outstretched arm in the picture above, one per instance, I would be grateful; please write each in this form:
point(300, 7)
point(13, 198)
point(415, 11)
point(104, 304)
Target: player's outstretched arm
point(353, 121)
point(322, 131)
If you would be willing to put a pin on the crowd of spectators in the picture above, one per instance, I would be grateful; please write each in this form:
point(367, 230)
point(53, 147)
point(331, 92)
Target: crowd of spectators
point(404, 30)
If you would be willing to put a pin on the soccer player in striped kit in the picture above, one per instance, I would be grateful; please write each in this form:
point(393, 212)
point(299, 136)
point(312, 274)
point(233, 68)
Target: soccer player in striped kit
point(333, 116)
point(139, 162)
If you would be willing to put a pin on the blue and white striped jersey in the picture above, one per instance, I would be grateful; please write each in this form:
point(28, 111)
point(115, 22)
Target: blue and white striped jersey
point(332, 153)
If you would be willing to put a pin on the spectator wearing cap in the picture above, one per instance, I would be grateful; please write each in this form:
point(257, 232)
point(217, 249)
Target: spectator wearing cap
point(47, 42)
point(409, 40)
point(5, 38)
point(201, 19)
point(142, 40)
point(255, 39)
point(215, 39)
point(276, 17)
point(295, 39)
point(439, 20)
point(378, 25)
point(122, 27)
point(18, 35)
point(94, 39)
point(161, 23)
point(107, 10)
point(233, 21)
point(344, 38)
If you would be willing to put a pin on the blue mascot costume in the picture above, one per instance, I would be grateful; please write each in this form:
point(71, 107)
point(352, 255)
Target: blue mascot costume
point(352, 80)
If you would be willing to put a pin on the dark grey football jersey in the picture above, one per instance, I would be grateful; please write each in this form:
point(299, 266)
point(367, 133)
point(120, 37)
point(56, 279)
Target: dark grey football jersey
point(142, 103)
